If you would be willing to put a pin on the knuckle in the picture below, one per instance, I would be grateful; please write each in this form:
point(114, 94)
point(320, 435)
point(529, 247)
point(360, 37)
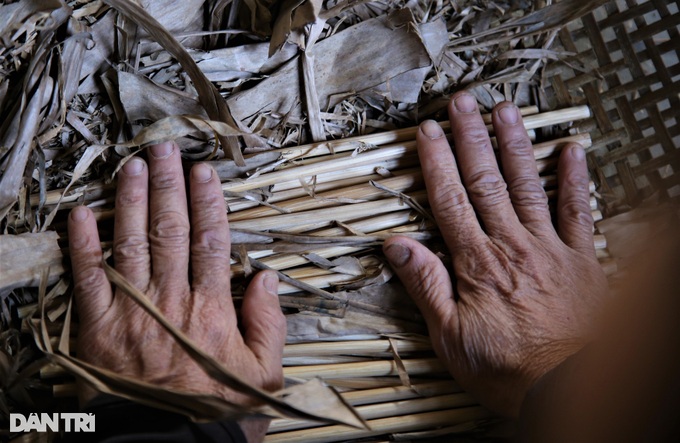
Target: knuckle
point(166, 181)
point(210, 202)
point(131, 246)
point(527, 191)
point(449, 197)
point(89, 280)
point(475, 135)
point(209, 242)
point(135, 196)
point(169, 229)
point(487, 184)
point(577, 181)
point(576, 211)
point(518, 146)
point(428, 285)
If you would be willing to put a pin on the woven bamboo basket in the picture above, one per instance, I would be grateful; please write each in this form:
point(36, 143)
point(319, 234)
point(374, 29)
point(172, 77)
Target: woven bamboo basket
point(626, 68)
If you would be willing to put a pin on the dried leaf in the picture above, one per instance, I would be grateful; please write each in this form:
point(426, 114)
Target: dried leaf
point(208, 95)
point(145, 100)
point(394, 50)
point(24, 257)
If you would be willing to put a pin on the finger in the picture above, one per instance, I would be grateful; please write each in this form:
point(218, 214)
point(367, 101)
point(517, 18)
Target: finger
point(92, 289)
point(168, 214)
point(478, 167)
point(210, 243)
point(426, 280)
point(574, 221)
point(265, 324)
point(454, 214)
point(130, 231)
point(519, 168)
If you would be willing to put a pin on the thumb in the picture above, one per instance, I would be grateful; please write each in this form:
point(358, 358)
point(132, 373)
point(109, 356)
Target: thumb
point(265, 325)
point(425, 279)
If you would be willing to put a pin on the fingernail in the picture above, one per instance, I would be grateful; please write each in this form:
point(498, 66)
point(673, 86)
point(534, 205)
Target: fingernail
point(509, 114)
point(431, 129)
point(201, 173)
point(271, 284)
point(134, 166)
point(162, 150)
point(465, 103)
point(578, 153)
point(79, 213)
point(398, 254)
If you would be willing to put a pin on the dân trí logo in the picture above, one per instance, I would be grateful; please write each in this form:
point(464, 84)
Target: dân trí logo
point(64, 421)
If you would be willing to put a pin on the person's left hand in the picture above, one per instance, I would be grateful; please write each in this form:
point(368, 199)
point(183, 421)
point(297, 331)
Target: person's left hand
point(183, 268)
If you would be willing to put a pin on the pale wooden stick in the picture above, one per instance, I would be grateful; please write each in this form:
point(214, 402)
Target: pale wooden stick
point(400, 183)
point(354, 347)
point(378, 139)
point(236, 204)
point(366, 369)
point(395, 393)
point(300, 222)
point(390, 409)
point(550, 148)
point(403, 423)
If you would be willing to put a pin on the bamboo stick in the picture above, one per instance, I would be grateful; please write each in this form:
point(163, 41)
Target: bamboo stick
point(354, 347)
point(389, 409)
point(378, 139)
point(366, 369)
point(300, 222)
point(403, 423)
point(338, 162)
point(395, 393)
point(237, 204)
point(401, 183)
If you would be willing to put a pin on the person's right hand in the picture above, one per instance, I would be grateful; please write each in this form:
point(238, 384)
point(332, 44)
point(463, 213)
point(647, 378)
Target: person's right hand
point(522, 296)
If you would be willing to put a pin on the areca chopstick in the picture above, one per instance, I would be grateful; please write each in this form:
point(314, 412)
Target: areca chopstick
point(379, 368)
point(342, 159)
point(402, 423)
point(378, 139)
point(300, 222)
point(354, 347)
point(365, 191)
point(388, 409)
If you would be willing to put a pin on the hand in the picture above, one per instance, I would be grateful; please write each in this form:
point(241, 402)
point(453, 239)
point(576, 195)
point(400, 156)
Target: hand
point(522, 296)
point(153, 248)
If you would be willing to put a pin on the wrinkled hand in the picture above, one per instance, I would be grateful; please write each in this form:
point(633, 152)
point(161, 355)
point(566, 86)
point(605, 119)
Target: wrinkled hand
point(156, 248)
point(522, 296)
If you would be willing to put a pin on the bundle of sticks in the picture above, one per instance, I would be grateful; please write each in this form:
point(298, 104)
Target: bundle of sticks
point(341, 198)
point(318, 214)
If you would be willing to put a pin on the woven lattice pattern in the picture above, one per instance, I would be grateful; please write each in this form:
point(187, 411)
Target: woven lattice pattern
point(625, 66)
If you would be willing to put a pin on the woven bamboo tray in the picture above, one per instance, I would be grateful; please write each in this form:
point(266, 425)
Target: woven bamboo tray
point(626, 68)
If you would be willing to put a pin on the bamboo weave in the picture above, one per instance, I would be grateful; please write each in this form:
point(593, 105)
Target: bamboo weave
point(631, 82)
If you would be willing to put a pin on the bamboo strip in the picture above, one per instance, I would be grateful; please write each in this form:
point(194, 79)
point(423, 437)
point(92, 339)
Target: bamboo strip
point(343, 160)
point(395, 393)
point(338, 162)
point(401, 183)
point(354, 347)
point(404, 423)
point(553, 147)
point(326, 360)
point(366, 369)
point(322, 184)
point(379, 139)
point(384, 410)
point(300, 222)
